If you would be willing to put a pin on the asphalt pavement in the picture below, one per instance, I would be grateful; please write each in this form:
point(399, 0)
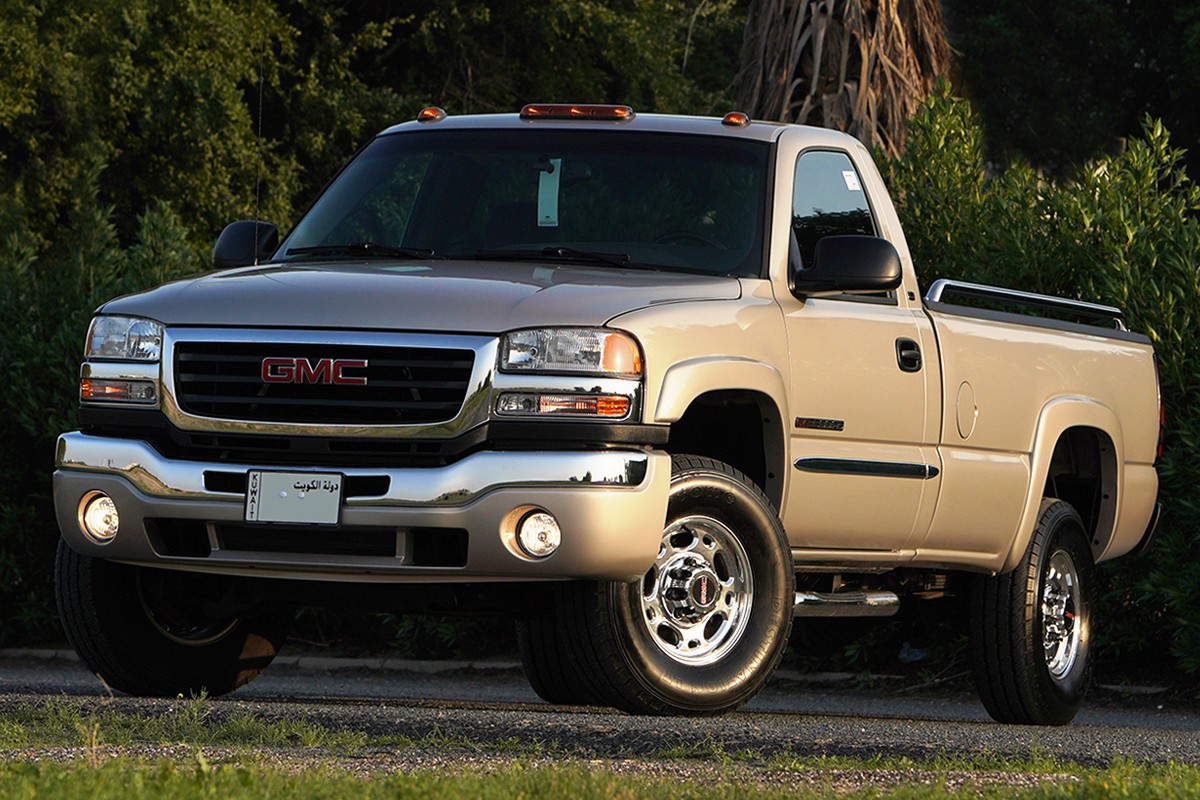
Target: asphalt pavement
point(490, 704)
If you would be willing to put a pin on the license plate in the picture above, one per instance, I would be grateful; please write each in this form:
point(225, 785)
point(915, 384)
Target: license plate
point(304, 498)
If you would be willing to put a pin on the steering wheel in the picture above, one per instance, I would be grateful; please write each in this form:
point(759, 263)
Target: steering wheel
point(687, 236)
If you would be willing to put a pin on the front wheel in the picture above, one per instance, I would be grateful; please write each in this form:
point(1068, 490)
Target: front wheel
point(155, 633)
point(1031, 629)
point(707, 624)
point(550, 664)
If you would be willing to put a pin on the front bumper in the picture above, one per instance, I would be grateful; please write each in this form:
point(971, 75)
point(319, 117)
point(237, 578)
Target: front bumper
point(610, 505)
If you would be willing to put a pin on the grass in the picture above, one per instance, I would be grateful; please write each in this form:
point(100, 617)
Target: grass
point(69, 723)
point(124, 779)
point(241, 756)
point(710, 751)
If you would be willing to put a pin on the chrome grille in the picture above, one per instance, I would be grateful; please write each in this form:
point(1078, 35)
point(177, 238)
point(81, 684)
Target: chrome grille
point(403, 385)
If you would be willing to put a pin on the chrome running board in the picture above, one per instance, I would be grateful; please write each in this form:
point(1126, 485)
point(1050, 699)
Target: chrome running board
point(846, 604)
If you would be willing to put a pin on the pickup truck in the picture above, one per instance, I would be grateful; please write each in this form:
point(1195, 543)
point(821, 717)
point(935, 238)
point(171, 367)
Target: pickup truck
point(652, 386)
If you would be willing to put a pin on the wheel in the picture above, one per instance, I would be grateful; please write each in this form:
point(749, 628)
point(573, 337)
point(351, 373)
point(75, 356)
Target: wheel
point(146, 632)
point(550, 665)
point(705, 627)
point(1031, 629)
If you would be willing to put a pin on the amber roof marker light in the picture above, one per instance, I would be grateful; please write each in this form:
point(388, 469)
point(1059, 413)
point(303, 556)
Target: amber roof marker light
point(576, 111)
point(431, 114)
point(736, 119)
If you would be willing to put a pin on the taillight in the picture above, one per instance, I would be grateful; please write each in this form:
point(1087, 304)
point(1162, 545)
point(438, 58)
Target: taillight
point(1162, 411)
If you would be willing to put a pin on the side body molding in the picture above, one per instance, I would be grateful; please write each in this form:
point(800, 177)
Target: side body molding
point(1056, 417)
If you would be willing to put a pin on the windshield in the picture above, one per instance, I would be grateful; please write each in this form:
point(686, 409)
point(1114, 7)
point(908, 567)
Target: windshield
point(621, 198)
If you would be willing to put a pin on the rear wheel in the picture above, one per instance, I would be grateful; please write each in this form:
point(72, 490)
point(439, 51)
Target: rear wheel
point(154, 632)
point(1031, 629)
point(705, 627)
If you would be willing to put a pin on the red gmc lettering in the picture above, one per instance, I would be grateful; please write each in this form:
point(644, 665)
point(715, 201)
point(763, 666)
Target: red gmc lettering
point(321, 372)
point(278, 370)
point(349, 380)
point(301, 370)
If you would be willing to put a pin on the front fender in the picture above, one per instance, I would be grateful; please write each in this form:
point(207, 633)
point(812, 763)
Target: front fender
point(686, 380)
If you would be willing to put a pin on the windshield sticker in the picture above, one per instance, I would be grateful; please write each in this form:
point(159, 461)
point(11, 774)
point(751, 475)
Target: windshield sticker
point(851, 179)
point(547, 209)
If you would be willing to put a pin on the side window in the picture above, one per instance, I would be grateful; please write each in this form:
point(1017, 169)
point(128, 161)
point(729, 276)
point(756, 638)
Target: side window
point(828, 199)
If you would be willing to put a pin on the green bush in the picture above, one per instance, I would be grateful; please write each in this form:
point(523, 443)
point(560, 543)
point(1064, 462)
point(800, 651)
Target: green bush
point(49, 296)
point(1123, 231)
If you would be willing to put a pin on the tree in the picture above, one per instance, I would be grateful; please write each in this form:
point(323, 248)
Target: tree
point(1062, 83)
point(861, 66)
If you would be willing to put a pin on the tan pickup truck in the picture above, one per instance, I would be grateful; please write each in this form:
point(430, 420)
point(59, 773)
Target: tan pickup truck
point(653, 386)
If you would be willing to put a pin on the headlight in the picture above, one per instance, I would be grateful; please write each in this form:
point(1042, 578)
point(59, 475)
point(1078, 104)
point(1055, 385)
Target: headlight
point(128, 338)
point(594, 351)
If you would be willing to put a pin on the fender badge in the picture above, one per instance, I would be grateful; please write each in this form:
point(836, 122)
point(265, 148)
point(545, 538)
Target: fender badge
point(815, 423)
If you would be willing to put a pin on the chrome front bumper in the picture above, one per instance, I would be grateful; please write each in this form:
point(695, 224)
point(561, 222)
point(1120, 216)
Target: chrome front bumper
point(611, 506)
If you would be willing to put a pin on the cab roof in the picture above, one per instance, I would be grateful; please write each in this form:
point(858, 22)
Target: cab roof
point(429, 119)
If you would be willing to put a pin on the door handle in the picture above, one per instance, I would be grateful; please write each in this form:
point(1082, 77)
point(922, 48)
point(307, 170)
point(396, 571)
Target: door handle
point(908, 355)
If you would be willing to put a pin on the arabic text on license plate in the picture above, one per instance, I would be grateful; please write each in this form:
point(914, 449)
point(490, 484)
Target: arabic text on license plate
point(306, 498)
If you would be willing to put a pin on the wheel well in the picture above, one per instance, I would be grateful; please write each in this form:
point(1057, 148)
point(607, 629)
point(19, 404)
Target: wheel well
point(1083, 473)
point(740, 428)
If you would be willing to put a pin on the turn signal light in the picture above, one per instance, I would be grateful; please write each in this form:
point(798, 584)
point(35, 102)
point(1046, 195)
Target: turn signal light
point(620, 355)
point(95, 389)
point(608, 406)
point(575, 111)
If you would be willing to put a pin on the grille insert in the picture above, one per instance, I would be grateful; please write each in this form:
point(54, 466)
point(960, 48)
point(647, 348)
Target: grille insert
point(403, 385)
point(377, 542)
point(420, 547)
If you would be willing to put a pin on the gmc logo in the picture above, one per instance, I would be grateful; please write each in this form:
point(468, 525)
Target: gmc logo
point(301, 370)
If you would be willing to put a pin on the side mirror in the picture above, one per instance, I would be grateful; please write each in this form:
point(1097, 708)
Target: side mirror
point(245, 242)
point(846, 264)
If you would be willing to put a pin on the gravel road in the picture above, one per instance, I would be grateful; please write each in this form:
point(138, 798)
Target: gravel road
point(492, 707)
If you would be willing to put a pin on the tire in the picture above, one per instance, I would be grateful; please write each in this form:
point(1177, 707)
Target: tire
point(550, 665)
point(141, 632)
point(669, 643)
point(1031, 629)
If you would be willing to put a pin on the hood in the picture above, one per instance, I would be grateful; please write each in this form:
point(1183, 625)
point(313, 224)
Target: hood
point(444, 296)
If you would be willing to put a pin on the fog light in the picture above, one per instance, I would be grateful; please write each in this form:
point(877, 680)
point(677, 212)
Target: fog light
point(538, 534)
point(98, 517)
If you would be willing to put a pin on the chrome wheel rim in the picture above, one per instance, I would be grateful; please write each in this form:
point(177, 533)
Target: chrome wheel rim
point(1062, 630)
point(696, 599)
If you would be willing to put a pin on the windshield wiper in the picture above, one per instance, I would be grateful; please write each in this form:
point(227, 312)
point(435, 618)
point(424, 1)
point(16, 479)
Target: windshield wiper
point(361, 250)
point(557, 254)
